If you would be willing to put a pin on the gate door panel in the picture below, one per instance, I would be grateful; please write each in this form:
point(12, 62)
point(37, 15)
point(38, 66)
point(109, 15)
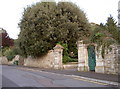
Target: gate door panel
point(91, 58)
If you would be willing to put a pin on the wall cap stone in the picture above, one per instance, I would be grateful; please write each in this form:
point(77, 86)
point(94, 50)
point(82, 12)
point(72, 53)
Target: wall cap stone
point(58, 46)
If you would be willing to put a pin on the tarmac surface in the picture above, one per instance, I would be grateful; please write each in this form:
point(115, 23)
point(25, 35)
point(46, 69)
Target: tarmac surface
point(88, 74)
point(14, 76)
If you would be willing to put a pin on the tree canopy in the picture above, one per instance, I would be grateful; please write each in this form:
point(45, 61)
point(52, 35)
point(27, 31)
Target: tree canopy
point(105, 35)
point(45, 24)
point(111, 26)
point(108, 32)
point(5, 40)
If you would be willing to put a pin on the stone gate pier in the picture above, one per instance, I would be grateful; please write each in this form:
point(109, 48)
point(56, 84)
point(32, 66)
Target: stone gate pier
point(58, 56)
point(82, 56)
point(100, 62)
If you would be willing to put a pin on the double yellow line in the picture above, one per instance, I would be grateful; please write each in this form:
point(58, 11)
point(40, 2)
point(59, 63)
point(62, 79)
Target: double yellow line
point(91, 81)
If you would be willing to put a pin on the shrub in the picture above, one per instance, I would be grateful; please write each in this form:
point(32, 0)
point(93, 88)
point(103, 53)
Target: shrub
point(9, 53)
point(66, 59)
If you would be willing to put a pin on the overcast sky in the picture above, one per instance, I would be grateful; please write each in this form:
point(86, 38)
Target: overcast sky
point(97, 11)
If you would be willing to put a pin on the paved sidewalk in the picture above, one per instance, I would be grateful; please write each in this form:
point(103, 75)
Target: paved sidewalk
point(89, 74)
point(107, 77)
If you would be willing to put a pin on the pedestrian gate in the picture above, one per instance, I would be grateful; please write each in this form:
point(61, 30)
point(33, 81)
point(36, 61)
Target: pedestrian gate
point(91, 58)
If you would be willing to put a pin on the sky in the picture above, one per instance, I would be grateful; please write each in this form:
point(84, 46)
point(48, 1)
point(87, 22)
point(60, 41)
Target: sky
point(97, 11)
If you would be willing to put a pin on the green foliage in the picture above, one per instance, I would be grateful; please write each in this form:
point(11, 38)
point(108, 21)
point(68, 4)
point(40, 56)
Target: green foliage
point(72, 49)
point(113, 29)
point(47, 23)
point(9, 53)
point(16, 62)
point(66, 53)
point(111, 24)
point(66, 59)
point(16, 48)
point(105, 35)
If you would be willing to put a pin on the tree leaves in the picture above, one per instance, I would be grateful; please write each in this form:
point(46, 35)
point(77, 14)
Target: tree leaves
point(5, 40)
point(45, 24)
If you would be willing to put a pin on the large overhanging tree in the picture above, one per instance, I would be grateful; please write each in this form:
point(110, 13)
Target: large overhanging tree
point(45, 24)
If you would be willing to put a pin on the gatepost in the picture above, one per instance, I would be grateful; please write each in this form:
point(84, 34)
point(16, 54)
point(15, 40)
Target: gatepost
point(58, 51)
point(100, 62)
point(82, 56)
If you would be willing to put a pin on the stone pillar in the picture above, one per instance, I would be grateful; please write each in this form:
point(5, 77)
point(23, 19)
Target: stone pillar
point(82, 57)
point(100, 64)
point(58, 51)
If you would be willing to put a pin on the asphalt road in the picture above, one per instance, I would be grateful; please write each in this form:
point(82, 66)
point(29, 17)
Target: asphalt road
point(21, 77)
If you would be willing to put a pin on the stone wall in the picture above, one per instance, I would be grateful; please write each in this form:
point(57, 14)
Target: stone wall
point(44, 61)
point(111, 62)
point(53, 59)
point(3, 60)
point(18, 58)
point(70, 65)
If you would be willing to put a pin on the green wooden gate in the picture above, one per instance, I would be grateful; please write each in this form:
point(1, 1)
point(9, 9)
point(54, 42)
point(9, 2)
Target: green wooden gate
point(91, 58)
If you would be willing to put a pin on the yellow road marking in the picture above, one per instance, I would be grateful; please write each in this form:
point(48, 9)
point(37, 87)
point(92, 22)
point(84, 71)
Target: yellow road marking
point(91, 81)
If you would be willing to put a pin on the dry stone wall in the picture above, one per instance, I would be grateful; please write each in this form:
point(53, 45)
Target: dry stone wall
point(3, 60)
point(70, 65)
point(18, 58)
point(43, 62)
point(111, 62)
point(53, 59)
